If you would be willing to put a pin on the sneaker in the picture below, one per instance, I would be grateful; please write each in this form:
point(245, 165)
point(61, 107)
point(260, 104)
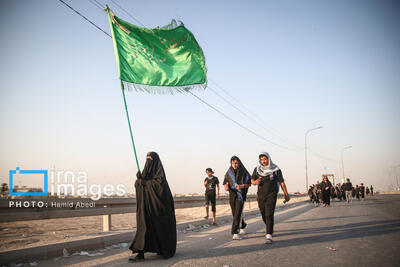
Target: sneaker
point(236, 237)
point(242, 232)
point(269, 239)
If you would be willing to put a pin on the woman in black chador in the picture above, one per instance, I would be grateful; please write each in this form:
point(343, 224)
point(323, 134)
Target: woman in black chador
point(326, 191)
point(237, 182)
point(155, 213)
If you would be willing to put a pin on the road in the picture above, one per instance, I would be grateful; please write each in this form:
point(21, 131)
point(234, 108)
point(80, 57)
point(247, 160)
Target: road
point(365, 233)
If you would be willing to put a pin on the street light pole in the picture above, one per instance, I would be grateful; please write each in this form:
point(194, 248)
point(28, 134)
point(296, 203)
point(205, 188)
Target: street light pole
point(305, 151)
point(395, 175)
point(390, 187)
point(347, 147)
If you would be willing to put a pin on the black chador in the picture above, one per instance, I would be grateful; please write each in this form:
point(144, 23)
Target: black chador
point(233, 178)
point(326, 191)
point(155, 213)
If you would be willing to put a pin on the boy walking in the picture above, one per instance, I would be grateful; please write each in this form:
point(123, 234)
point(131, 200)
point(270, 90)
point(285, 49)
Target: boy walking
point(211, 183)
point(348, 187)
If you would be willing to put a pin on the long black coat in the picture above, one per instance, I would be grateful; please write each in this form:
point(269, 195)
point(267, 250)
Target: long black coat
point(155, 212)
point(326, 192)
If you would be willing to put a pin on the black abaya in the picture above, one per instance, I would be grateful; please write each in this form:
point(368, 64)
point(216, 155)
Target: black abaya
point(155, 212)
point(326, 196)
point(237, 197)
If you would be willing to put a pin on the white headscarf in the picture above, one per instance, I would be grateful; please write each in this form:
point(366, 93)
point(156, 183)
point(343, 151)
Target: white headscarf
point(270, 168)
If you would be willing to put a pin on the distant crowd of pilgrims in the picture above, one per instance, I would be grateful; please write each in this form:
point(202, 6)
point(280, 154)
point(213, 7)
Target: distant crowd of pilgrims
point(323, 192)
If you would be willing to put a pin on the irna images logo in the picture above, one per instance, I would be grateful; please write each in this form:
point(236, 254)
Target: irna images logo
point(66, 183)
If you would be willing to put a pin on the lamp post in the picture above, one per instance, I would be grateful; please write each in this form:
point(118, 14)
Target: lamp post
point(390, 187)
point(305, 149)
point(395, 175)
point(343, 149)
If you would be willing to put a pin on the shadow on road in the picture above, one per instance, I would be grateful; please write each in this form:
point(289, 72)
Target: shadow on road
point(315, 235)
point(326, 234)
point(362, 229)
point(322, 219)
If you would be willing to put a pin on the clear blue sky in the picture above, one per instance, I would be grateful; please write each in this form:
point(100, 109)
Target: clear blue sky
point(297, 64)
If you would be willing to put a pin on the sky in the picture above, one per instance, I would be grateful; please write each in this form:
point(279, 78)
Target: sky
point(290, 65)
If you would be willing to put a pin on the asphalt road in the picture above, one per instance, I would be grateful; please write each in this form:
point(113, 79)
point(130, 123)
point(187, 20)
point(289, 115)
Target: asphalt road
point(365, 233)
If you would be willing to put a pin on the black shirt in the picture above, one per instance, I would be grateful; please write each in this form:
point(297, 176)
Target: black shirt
point(211, 184)
point(326, 184)
point(269, 184)
point(362, 189)
point(348, 186)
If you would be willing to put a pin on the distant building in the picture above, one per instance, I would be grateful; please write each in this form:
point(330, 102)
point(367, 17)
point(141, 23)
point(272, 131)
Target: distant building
point(26, 189)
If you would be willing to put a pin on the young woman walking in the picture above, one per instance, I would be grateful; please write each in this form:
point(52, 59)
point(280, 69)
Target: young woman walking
point(237, 182)
point(268, 176)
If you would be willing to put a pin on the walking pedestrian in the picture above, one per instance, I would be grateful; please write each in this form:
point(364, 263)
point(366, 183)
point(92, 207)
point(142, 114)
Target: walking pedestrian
point(343, 191)
point(362, 191)
point(310, 194)
point(155, 212)
point(348, 187)
point(326, 191)
point(237, 181)
point(317, 194)
point(357, 192)
point(338, 192)
point(268, 176)
point(211, 183)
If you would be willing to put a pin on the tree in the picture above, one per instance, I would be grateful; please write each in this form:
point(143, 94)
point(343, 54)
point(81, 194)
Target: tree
point(4, 189)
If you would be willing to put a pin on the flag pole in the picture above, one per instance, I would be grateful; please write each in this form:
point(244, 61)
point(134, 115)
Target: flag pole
point(130, 128)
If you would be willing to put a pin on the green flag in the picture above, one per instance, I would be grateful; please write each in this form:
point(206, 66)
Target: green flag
point(160, 60)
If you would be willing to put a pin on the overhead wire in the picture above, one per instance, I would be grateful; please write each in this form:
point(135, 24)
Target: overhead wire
point(234, 121)
point(255, 117)
point(85, 18)
point(224, 99)
point(200, 99)
point(129, 14)
point(262, 122)
point(100, 4)
point(197, 97)
point(247, 115)
point(96, 4)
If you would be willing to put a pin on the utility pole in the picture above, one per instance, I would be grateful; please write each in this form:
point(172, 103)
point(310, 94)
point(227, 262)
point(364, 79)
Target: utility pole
point(305, 149)
point(343, 149)
point(395, 175)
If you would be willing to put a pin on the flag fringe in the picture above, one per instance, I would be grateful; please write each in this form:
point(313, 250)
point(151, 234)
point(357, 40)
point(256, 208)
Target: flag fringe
point(165, 90)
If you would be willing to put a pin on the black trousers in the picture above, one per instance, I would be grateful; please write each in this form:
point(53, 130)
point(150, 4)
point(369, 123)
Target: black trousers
point(237, 212)
point(211, 197)
point(267, 205)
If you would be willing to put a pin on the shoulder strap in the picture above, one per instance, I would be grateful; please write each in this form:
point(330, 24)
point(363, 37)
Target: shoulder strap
point(232, 176)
